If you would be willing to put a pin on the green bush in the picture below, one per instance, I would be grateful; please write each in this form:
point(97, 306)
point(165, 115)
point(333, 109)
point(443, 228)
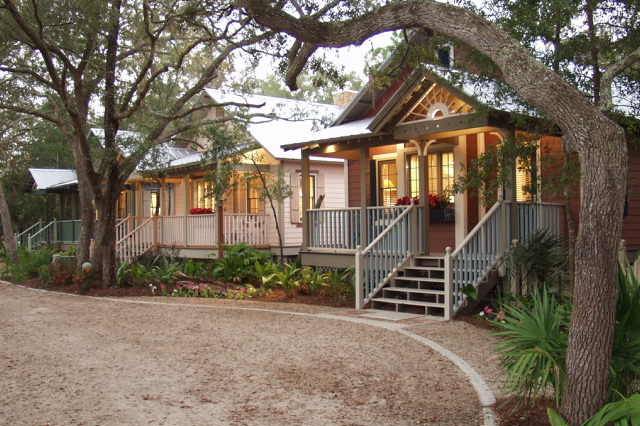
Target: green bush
point(288, 278)
point(541, 261)
point(238, 263)
point(534, 346)
point(625, 412)
point(312, 281)
point(340, 285)
point(535, 335)
point(30, 264)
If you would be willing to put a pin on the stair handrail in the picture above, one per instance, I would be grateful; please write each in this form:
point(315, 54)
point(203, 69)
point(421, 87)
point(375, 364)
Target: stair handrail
point(393, 260)
point(476, 229)
point(19, 235)
point(123, 240)
point(40, 231)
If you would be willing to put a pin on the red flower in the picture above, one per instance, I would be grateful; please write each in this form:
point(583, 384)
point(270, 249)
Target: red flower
point(200, 210)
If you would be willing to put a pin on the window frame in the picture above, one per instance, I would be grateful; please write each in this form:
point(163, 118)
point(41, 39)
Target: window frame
point(382, 189)
point(259, 198)
point(438, 177)
point(313, 192)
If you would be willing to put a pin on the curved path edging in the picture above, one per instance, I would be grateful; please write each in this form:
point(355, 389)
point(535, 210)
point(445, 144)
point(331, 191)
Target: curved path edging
point(486, 396)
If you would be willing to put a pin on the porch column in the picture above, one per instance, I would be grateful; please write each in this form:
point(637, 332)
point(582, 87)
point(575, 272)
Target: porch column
point(304, 186)
point(423, 172)
point(364, 188)
point(482, 148)
point(402, 171)
point(460, 198)
point(219, 211)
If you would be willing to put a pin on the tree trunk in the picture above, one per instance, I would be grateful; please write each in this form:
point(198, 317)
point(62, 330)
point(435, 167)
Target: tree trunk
point(7, 227)
point(104, 257)
point(602, 184)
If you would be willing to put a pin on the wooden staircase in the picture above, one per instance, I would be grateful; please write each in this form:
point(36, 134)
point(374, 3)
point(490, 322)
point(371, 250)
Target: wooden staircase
point(417, 288)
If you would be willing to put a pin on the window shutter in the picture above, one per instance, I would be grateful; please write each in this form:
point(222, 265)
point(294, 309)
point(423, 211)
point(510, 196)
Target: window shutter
point(320, 190)
point(294, 201)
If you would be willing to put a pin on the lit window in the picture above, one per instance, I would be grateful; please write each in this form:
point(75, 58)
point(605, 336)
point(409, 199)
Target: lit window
point(448, 174)
point(154, 204)
point(203, 194)
point(441, 174)
point(414, 177)
point(524, 187)
point(255, 199)
point(312, 193)
point(122, 204)
point(388, 182)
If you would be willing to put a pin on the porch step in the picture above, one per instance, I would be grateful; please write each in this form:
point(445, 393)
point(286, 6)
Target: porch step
point(429, 261)
point(406, 302)
point(420, 279)
point(413, 290)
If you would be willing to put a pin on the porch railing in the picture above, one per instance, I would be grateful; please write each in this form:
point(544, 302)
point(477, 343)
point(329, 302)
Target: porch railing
point(377, 263)
point(334, 228)
point(137, 242)
point(487, 243)
point(250, 229)
point(341, 228)
point(22, 238)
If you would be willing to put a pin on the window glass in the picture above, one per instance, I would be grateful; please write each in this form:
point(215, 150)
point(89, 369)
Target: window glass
point(312, 193)
point(255, 200)
point(448, 174)
point(414, 177)
point(388, 182)
point(523, 181)
point(122, 204)
point(202, 195)
point(154, 204)
point(434, 173)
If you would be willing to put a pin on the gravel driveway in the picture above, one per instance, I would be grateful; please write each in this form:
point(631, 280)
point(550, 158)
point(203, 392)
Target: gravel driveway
point(85, 361)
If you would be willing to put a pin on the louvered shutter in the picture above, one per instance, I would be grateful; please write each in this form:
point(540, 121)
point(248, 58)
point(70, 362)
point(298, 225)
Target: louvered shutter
point(294, 200)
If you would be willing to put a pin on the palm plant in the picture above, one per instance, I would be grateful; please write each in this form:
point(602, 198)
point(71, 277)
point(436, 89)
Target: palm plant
point(625, 412)
point(534, 346)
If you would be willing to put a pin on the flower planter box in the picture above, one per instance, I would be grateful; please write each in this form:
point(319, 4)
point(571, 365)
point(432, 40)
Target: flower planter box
point(442, 215)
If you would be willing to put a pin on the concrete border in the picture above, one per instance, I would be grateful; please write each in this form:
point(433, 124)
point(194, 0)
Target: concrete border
point(485, 394)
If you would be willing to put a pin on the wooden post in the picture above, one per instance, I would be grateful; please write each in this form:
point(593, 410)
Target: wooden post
point(364, 185)
point(359, 276)
point(448, 284)
point(55, 231)
point(423, 171)
point(304, 186)
point(220, 226)
point(187, 208)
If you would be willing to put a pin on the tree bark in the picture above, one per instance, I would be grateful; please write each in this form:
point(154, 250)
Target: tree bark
point(104, 256)
point(8, 235)
point(599, 142)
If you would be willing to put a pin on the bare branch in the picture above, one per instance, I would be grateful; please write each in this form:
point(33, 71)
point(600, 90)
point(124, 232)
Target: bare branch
point(615, 69)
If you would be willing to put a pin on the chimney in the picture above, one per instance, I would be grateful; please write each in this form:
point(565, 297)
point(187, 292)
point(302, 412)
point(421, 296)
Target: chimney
point(344, 98)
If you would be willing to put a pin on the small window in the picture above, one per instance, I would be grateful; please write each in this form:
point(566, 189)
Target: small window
point(388, 182)
point(202, 194)
point(154, 204)
point(524, 183)
point(312, 193)
point(123, 203)
point(255, 199)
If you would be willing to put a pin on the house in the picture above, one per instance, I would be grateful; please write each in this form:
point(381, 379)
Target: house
point(169, 205)
point(411, 137)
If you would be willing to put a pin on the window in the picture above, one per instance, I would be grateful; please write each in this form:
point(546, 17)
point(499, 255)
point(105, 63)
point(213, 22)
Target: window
point(202, 195)
point(123, 203)
point(387, 182)
point(441, 174)
point(524, 182)
point(312, 193)
point(154, 203)
point(255, 199)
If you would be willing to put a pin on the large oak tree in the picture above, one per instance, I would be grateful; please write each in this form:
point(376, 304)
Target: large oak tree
point(122, 64)
point(598, 141)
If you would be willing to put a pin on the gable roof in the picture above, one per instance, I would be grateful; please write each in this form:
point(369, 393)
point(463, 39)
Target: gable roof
point(280, 121)
point(48, 179)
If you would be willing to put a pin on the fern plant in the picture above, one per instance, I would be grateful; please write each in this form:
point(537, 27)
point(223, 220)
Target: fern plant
point(625, 412)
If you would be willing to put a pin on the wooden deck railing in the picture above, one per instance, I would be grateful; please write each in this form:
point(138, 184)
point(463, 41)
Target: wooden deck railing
point(342, 228)
point(137, 242)
point(377, 263)
point(489, 240)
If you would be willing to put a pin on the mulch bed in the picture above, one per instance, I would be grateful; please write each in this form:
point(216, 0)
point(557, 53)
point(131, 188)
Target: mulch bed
point(276, 295)
point(512, 412)
point(279, 295)
point(477, 321)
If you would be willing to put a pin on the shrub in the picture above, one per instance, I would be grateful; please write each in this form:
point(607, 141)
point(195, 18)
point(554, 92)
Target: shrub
point(621, 413)
point(266, 273)
point(30, 264)
point(312, 281)
point(535, 335)
point(340, 285)
point(238, 263)
point(534, 346)
point(540, 261)
point(195, 269)
point(288, 278)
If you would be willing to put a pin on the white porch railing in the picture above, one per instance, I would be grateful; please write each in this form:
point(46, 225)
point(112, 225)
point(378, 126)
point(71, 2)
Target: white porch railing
point(486, 244)
point(251, 229)
point(137, 242)
point(22, 238)
point(380, 260)
point(341, 228)
point(334, 228)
